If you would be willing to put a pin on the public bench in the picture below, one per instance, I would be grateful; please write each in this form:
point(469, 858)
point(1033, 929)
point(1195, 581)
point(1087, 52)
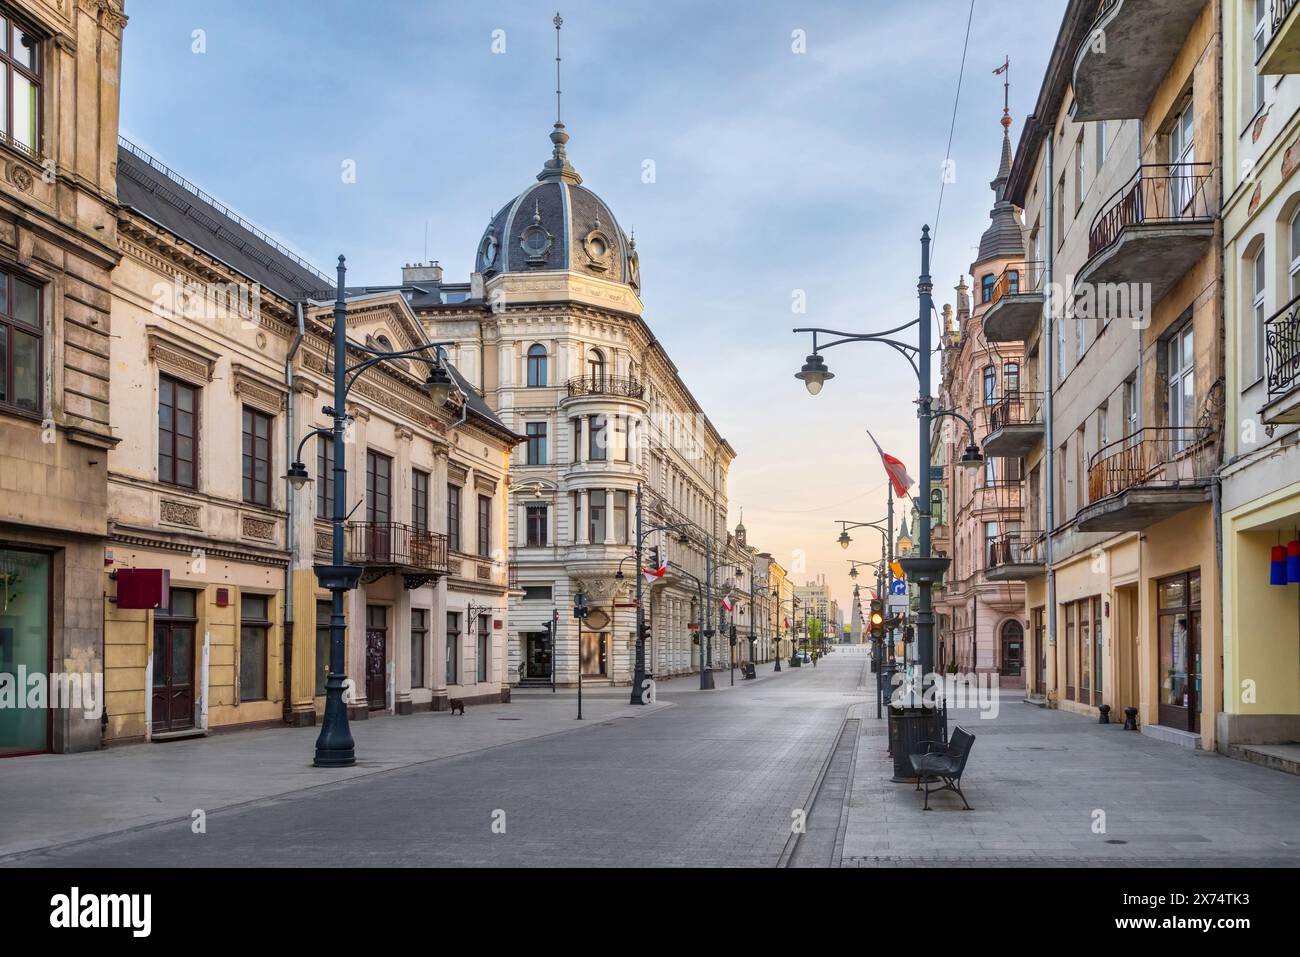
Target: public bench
point(944, 762)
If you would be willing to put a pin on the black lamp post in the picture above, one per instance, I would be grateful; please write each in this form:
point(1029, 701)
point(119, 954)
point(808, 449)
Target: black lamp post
point(925, 569)
point(638, 674)
point(335, 747)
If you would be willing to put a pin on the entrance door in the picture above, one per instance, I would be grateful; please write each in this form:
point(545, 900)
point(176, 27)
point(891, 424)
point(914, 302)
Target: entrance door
point(173, 663)
point(593, 654)
point(25, 603)
point(1180, 651)
point(377, 657)
point(538, 660)
point(1013, 649)
point(1040, 651)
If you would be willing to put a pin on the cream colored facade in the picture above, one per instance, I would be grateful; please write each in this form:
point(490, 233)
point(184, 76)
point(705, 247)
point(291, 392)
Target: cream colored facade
point(1118, 177)
point(58, 246)
point(244, 639)
point(1261, 477)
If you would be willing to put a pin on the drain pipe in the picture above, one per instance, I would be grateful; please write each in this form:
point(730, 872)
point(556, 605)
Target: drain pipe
point(289, 451)
point(1049, 393)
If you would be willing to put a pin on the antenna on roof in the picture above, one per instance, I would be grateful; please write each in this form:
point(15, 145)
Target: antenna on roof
point(559, 22)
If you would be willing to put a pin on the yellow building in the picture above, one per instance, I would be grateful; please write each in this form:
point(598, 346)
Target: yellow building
point(1261, 477)
point(218, 372)
point(58, 244)
point(1118, 175)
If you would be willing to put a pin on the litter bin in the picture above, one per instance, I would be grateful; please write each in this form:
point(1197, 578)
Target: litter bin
point(909, 727)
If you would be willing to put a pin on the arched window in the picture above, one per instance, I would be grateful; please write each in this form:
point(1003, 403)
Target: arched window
point(990, 385)
point(596, 367)
point(1013, 282)
point(1011, 378)
point(986, 288)
point(537, 366)
point(1295, 255)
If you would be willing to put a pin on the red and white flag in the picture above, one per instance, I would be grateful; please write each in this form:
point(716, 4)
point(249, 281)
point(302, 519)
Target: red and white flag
point(787, 621)
point(728, 604)
point(653, 575)
point(895, 469)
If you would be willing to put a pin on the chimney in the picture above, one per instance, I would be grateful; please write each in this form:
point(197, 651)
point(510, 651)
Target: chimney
point(422, 273)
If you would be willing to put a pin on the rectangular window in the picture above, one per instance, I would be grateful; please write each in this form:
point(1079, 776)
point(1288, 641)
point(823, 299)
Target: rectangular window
point(322, 645)
point(596, 521)
point(419, 639)
point(535, 532)
point(20, 81)
point(21, 337)
point(419, 500)
point(325, 477)
point(254, 623)
point(257, 457)
point(379, 488)
point(453, 647)
point(577, 441)
point(1182, 385)
point(1182, 153)
point(484, 527)
point(620, 518)
point(1100, 148)
point(1096, 650)
point(177, 432)
point(484, 647)
point(1058, 211)
point(537, 593)
point(597, 442)
point(536, 449)
point(1131, 405)
point(453, 517)
point(1261, 38)
point(1071, 652)
point(1258, 328)
point(1079, 165)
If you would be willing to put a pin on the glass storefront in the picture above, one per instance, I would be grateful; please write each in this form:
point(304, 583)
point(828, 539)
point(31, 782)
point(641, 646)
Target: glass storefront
point(24, 649)
point(1179, 609)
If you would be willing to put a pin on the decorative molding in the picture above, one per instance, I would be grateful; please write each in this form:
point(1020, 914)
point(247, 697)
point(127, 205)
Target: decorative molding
point(457, 473)
point(324, 541)
point(260, 528)
point(177, 359)
point(402, 432)
point(257, 390)
point(19, 175)
point(209, 551)
point(179, 513)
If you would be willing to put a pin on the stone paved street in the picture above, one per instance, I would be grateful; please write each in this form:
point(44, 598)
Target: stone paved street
point(698, 779)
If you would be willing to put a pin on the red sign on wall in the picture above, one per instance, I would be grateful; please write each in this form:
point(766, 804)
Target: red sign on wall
point(143, 588)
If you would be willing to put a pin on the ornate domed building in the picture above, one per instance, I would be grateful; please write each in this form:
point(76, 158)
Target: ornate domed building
point(550, 330)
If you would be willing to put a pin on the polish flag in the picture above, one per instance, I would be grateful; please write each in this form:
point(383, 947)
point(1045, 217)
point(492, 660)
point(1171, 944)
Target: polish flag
point(652, 576)
point(728, 604)
point(895, 469)
point(787, 621)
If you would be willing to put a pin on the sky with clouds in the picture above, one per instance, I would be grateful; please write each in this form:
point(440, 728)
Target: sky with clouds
point(775, 171)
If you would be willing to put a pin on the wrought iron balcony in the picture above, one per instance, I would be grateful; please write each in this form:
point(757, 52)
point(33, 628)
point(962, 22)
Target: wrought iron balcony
point(1146, 236)
point(1015, 424)
point(1281, 53)
point(621, 387)
point(1016, 306)
point(1016, 556)
point(1148, 476)
point(1126, 54)
point(391, 547)
point(1282, 359)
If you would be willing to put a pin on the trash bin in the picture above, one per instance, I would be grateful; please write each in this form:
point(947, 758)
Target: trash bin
point(909, 727)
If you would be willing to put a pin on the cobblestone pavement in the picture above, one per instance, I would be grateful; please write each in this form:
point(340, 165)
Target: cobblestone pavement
point(706, 778)
point(1037, 780)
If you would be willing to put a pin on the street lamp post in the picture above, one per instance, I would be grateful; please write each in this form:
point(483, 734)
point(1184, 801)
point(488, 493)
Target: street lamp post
point(335, 747)
point(638, 674)
point(924, 570)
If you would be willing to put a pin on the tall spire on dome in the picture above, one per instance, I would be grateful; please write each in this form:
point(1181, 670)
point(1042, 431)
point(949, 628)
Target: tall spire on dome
point(558, 166)
point(1003, 239)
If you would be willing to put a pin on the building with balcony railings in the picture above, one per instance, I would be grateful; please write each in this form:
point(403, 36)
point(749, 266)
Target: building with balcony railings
point(550, 328)
point(980, 617)
point(1122, 421)
point(58, 247)
point(1260, 498)
point(220, 366)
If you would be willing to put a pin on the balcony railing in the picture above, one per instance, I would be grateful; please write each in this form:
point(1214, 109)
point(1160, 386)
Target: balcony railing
point(391, 544)
point(1158, 193)
point(1016, 548)
point(1017, 279)
point(623, 387)
point(1015, 408)
point(1282, 348)
point(1151, 457)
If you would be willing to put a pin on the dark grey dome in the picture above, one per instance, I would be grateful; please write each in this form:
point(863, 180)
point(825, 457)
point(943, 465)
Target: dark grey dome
point(1003, 239)
point(558, 224)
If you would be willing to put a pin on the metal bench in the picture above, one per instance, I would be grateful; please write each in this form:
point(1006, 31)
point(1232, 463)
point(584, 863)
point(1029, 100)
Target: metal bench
point(943, 762)
point(747, 670)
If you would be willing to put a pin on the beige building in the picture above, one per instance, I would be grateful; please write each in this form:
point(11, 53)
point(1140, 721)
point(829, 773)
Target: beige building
point(1117, 172)
point(1261, 477)
point(58, 245)
point(218, 372)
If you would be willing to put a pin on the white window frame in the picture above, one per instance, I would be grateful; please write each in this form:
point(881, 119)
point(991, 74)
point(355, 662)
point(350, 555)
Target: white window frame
point(1258, 271)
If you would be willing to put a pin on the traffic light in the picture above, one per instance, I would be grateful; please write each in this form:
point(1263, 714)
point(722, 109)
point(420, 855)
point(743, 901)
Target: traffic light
point(546, 627)
point(654, 557)
point(580, 605)
point(731, 635)
point(877, 618)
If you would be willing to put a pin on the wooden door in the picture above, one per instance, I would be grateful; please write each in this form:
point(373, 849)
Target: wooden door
point(173, 676)
point(377, 657)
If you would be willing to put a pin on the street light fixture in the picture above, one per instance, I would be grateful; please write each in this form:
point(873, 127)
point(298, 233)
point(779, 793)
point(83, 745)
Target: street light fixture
point(814, 373)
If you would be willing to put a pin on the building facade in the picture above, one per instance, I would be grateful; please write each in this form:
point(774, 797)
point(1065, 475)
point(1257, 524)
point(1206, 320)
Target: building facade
point(224, 343)
point(551, 328)
point(1117, 172)
point(1261, 474)
point(58, 247)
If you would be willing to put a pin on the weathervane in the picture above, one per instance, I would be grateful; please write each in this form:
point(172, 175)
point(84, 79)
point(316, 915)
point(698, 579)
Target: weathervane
point(559, 22)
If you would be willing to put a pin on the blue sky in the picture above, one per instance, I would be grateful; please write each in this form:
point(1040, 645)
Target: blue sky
point(775, 171)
